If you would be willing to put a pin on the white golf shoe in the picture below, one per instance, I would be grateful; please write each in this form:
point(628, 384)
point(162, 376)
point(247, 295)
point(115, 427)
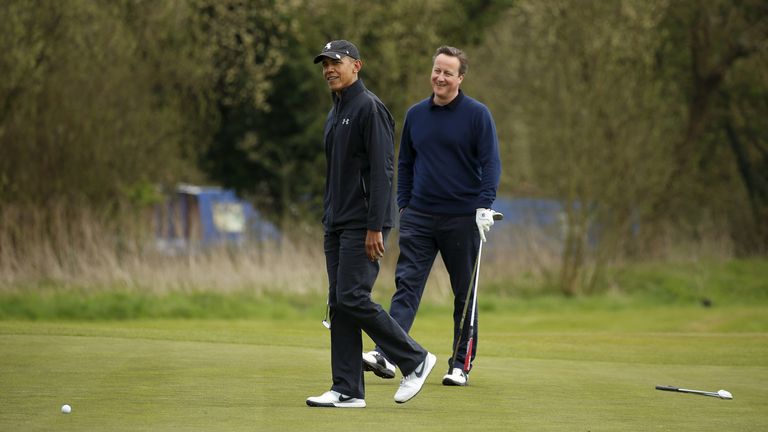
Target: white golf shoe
point(457, 377)
point(411, 384)
point(334, 399)
point(374, 362)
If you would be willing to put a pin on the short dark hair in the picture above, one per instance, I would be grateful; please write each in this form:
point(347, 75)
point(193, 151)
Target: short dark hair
point(454, 52)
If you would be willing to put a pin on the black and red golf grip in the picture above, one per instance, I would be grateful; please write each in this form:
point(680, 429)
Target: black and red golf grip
point(468, 356)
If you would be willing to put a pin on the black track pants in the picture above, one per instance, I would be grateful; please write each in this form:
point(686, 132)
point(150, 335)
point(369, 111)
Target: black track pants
point(351, 276)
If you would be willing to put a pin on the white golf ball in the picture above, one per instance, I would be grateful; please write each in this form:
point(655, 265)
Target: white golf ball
point(66, 409)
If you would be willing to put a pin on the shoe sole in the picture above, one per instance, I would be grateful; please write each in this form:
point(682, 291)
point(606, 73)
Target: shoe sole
point(449, 382)
point(377, 370)
point(335, 405)
point(426, 375)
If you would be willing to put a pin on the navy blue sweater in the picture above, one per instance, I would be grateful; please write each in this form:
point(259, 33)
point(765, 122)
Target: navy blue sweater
point(449, 157)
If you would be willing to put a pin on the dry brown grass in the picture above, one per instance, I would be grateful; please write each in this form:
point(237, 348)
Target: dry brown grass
point(76, 247)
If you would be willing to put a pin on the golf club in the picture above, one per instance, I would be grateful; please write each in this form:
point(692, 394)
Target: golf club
point(326, 323)
point(722, 394)
point(476, 278)
point(471, 332)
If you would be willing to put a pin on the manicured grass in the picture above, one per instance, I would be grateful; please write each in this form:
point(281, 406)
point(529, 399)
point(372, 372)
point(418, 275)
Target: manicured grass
point(540, 368)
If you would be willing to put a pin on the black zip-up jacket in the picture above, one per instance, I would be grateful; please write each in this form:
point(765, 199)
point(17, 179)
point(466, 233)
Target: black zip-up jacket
point(359, 153)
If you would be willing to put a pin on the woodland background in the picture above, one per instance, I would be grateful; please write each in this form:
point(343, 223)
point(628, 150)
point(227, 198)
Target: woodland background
point(646, 118)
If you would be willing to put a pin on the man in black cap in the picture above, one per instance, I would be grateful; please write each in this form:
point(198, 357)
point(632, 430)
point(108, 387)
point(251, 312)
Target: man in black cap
point(357, 217)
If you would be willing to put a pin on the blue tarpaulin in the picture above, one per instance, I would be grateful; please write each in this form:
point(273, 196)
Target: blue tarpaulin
point(199, 216)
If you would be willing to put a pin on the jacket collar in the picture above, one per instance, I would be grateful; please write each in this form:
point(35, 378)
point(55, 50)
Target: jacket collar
point(350, 92)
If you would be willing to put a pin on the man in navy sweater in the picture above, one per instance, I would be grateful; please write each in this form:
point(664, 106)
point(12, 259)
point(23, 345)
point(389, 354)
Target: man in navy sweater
point(359, 150)
point(448, 173)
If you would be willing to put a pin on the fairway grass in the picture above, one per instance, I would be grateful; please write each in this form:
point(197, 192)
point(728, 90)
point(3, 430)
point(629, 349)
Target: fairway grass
point(540, 370)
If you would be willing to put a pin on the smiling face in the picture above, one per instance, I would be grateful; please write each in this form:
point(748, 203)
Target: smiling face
point(341, 73)
point(445, 78)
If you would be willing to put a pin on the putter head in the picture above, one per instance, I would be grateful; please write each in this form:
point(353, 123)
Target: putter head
point(326, 324)
point(724, 394)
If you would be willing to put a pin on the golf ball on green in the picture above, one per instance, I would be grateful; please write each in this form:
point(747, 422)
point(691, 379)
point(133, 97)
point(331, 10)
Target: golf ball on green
point(66, 409)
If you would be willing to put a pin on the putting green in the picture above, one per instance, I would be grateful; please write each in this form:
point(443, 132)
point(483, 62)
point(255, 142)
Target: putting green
point(536, 370)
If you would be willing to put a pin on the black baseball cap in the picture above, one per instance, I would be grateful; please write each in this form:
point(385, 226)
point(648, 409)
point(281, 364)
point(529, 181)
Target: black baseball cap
point(338, 49)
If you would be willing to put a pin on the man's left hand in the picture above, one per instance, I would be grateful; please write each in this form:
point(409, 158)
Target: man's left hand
point(484, 221)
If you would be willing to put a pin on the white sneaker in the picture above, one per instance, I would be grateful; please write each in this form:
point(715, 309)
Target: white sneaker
point(375, 362)
point(334, 399)
point(411, 384)
point(457, 377)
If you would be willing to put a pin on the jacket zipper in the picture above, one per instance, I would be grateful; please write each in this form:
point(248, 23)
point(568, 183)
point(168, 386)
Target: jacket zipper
point(365, 191)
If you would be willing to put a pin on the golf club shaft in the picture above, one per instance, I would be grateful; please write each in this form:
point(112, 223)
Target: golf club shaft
point(471, 333)
point(464, 315)
point(471, 290)
point(682, 390)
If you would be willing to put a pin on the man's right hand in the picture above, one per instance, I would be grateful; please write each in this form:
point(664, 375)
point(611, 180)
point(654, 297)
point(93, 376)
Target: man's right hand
point(374, 245)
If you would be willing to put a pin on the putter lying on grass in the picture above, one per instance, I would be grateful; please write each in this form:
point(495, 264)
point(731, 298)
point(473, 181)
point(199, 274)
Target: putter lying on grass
point(722, 394)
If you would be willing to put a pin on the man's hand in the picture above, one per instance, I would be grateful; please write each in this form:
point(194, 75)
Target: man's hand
point(374, 245)
point(484, 220)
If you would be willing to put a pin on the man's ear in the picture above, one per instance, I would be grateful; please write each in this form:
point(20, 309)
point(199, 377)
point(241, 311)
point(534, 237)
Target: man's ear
point(357, 65)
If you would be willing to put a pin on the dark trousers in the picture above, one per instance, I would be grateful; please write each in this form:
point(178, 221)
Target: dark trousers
point(422, 236)
point(351, 276)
